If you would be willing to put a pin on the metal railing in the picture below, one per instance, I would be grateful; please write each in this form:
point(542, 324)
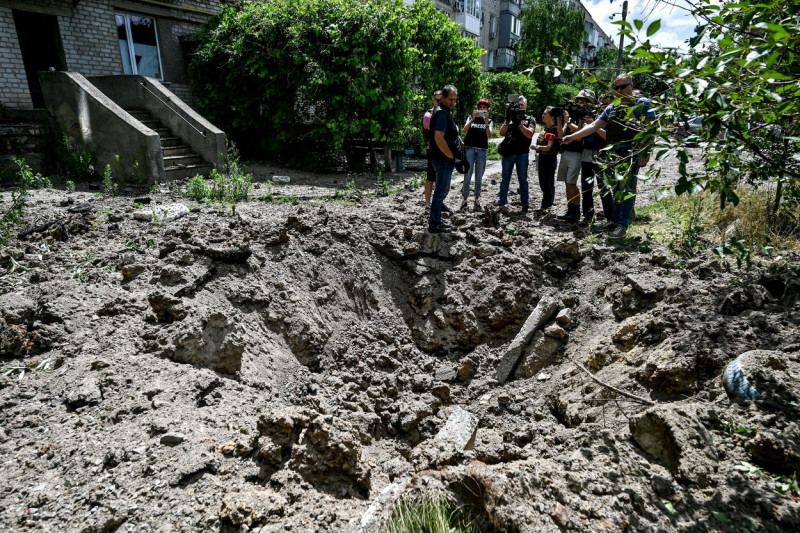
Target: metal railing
point(168, 104)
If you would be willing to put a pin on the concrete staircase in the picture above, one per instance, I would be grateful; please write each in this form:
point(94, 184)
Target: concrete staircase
point(179, 160)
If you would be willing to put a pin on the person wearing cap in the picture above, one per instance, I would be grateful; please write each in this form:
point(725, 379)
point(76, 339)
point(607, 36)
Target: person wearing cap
point(592, 144)
point(569, 167)
point(622, 123)
point(478, 130)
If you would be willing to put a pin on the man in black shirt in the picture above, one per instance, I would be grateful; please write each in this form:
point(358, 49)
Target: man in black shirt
point(520, 126)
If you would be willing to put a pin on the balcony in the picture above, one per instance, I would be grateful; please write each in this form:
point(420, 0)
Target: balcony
point(468, 22)
point(506, 58)
point(510, 6)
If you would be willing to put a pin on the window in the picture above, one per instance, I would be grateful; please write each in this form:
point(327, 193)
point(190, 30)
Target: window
point(515, 25)
point(473, 8)
point(138, 44)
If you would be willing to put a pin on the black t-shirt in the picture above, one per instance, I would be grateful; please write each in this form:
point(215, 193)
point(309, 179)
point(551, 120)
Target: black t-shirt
point(476, 134)
point(450, 134)
point(542, 142)
point(519, 142)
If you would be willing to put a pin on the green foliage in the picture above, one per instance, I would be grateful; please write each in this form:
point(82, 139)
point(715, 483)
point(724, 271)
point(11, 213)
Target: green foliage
point(498, 85)
point(552, 34)
point(429, 515)
point(230, 186)
point(19, 199)
point(110, 188)
point(601, 78)
point(197, 189)
point(73, 160)
point(70, 186)
point(291, 78)
point(746, 86)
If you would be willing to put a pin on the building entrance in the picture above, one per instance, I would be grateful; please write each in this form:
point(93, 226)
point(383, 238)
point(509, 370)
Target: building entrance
point(40, 44)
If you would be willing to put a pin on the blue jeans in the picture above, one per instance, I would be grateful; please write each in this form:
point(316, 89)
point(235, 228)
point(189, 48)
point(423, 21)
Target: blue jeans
point(477, 162)
point(508, 162)
point(444, 172)
point(622, 206)
point(547, 164)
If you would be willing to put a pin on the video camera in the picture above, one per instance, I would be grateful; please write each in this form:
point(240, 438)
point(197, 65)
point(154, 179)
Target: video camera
point(576, 111)
point(514, 114)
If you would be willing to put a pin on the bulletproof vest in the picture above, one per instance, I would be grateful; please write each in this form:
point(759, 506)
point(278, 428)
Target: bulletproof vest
point(622, 127)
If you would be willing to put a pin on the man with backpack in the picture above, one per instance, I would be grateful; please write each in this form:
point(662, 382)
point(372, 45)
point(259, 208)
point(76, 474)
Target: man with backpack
point(430, 180)
point(445, 147)
point(621, 123)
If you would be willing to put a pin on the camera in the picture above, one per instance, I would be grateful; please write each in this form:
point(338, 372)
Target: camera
point(513, 112)
point(481, 113)
point(576, 111)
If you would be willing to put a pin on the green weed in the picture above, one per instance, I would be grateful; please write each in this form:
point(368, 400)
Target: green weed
point(429, 515)
point(110, 188)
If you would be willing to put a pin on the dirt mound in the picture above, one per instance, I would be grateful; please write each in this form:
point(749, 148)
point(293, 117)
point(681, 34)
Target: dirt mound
point(293, 367)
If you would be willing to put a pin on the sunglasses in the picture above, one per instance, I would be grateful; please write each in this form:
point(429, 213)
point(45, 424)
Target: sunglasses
point(620, 87)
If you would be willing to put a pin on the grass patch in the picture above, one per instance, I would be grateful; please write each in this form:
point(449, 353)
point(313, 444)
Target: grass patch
point(429, 515)
point(689, 225)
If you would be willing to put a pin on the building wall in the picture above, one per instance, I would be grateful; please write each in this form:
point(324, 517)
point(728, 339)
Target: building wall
point(89, 39)
point(14, 85)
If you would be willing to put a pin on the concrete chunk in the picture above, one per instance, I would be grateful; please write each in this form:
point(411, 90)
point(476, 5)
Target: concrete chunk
point(446, 448)
point(459, 431)
point(544, 311)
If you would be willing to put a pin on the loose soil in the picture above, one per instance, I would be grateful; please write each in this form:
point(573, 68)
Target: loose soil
point(289, 366)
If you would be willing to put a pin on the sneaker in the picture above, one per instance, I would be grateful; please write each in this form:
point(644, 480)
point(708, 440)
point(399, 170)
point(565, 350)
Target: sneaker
point(525, 209)
point(463, 206)
point(446, 209)
point(608, 226)
point(439, 229)
point(618, 234)
point(477, 205)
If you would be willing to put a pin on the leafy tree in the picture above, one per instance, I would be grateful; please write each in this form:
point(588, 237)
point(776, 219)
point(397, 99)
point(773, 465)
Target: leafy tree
point(601, 77)
point(499, 85)
point(293, 77)
point(747, 88)
point(441, 56)
point(552, 34)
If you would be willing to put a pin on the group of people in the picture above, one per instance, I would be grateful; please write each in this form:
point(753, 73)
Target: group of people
point(577, 140)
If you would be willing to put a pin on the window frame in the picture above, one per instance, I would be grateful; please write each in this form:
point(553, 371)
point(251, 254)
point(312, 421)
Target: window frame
point(131, 52)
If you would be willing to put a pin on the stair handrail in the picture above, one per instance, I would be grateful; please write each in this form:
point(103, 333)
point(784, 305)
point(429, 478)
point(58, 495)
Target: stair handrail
point(143, 84)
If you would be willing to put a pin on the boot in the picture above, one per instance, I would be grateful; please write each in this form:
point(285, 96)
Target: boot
point(573, 214)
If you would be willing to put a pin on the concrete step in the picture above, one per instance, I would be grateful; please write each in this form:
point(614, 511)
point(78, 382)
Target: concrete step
point(152, 124)
point(182, 160)
point(169, 142)
point(177, 172)
point(176, 150)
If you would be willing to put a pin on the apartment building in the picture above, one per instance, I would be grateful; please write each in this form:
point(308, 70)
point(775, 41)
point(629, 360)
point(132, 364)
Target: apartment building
point(496, 27)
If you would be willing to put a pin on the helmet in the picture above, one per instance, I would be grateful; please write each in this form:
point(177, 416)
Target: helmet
point(483, 101)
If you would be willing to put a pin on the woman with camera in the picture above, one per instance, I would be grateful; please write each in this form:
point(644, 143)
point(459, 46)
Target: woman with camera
point(547, 160)
point(478, 130)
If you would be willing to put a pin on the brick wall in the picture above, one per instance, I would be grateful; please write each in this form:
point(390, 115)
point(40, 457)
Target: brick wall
point(13, 84)
point(89, 38)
